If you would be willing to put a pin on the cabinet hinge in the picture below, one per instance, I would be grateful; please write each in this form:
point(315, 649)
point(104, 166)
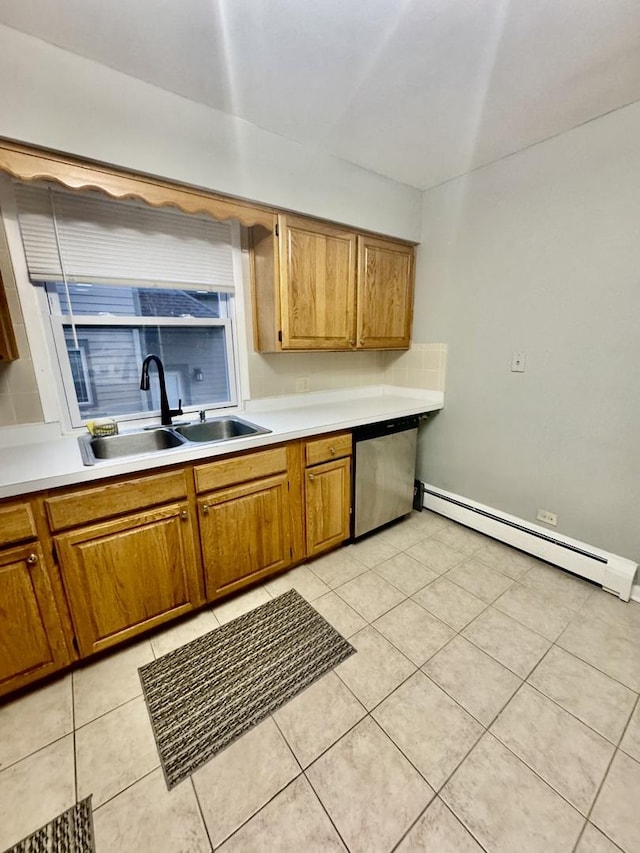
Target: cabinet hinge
point(74, 643)
point(277, 230)
point(280, 335)
point(291, 552)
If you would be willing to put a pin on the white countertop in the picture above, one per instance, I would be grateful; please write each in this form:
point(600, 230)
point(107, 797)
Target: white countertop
point(41, 464)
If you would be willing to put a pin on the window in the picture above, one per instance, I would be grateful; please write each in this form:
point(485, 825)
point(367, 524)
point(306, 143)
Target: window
point(122, 281)
point(109, 330)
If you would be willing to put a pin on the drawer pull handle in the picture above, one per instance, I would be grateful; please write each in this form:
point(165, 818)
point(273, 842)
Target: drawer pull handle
point(32, 559)
point(312, 476)
point(332, 451)
point(184, 515)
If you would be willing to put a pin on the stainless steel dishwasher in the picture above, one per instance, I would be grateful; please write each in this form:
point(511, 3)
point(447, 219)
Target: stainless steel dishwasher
point(384, 471)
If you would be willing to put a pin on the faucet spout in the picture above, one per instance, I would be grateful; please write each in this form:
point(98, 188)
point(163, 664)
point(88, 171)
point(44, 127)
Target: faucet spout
point(166, 413)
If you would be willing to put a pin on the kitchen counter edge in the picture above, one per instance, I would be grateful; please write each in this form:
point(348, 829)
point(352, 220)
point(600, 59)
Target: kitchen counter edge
point(55, 463)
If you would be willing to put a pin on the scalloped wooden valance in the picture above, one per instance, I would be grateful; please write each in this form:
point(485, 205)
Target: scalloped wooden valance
point(29, 164)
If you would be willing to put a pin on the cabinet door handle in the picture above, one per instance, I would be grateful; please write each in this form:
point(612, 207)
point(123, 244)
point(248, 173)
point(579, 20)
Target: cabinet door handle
point(184, 515)
point(312, 476)
point(352, 342)
point(32, 559)
point(332, 451)
point(361, 342)
point(205, 509)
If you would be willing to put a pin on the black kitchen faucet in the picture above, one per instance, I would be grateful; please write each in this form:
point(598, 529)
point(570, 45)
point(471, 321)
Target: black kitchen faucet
point(165, 412)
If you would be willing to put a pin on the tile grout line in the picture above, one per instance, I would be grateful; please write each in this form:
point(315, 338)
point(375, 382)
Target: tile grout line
point(303, 771)
point(551, 699)
point(200, 812)
point(75, 746)
point(127, 787)
point(115, 708)
point(539, 775)
point(636, 707)
point(70, 733)
point(422, 814)
point(596, 796)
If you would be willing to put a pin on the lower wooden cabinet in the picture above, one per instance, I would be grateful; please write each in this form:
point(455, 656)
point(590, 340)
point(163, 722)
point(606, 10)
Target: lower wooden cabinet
point(31, 640)
point(131, 554)
point(244, 533)
point(327, 491)
point(125, 576)
point(328, 501)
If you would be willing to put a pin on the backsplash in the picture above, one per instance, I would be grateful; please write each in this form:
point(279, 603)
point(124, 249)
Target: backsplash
point(423, 366)
point(277, 374)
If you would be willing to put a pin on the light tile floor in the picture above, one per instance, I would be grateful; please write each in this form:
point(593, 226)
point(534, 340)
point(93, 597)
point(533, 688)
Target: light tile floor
point(492, 705)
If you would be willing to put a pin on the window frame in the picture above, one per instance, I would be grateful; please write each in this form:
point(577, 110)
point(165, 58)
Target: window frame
point(40, 330)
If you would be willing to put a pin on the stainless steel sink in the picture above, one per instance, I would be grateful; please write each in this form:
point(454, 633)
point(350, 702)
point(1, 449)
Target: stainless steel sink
point(130, 444)
point(101, 448)
point(219, 429)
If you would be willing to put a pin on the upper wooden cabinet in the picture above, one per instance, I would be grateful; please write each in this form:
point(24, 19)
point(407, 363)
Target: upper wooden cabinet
point(320, 287)
point(385, 294)
point(8, 345)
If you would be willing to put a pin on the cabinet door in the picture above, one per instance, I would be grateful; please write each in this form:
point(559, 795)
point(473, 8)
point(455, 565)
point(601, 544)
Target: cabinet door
point(328, 504)
point(8, 346)
point(123, 577)
point(317, 285)
point(31, 641)
point(245, 533)
point(385, 294)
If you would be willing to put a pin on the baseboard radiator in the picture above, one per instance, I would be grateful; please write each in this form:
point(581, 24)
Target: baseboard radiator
point(615, 574)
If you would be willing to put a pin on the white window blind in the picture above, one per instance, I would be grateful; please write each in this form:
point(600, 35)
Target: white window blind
point(85, 237)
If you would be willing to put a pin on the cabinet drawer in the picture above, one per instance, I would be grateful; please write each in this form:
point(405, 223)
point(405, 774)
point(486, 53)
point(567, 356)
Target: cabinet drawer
point(327, 448)
point(16, 523)
point(111, 499)
point(240, 469)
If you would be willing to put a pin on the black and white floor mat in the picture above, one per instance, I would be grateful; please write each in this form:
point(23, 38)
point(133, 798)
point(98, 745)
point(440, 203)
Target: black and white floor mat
point(207, 693)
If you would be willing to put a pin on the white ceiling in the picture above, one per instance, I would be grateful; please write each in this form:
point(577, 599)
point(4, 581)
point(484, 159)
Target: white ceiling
point(417, 90)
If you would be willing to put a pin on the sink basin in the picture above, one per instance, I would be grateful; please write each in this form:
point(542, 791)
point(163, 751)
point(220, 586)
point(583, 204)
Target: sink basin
point(164, 438)
point(220, 429)
point(128, 444)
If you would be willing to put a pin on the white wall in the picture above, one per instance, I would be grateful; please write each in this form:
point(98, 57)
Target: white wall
point(57, 100)
point(541, 253)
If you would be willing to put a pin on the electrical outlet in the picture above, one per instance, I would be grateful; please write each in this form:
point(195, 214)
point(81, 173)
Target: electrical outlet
point(548, 517)
point(302, 384)
point(517, 362)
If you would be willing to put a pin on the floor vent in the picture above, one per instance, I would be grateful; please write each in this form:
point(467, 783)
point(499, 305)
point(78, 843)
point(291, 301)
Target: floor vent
point(613, 573)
